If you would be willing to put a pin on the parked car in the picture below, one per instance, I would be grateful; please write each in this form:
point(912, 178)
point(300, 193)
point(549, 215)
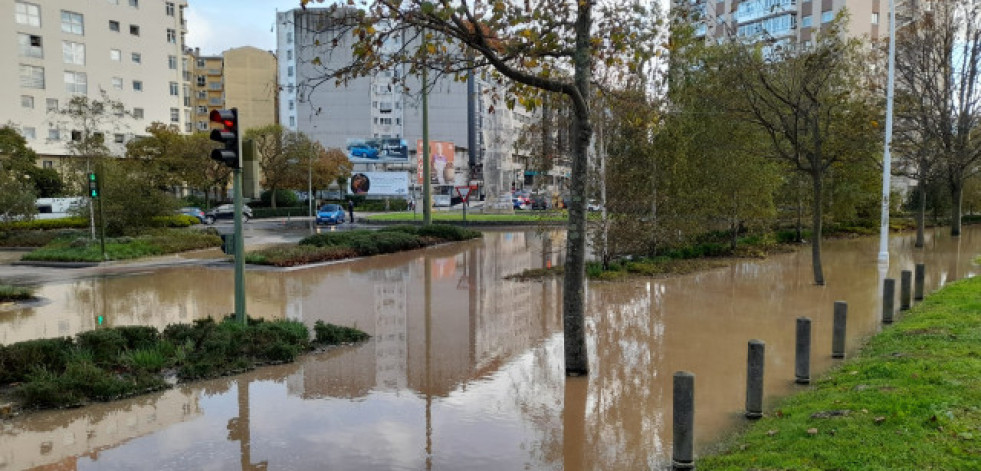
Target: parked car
point(193, 211)
point(521, 199)
point(226, 211)
point(363, 150)
point(330, 214)
point(593, 205)
point(540, 202)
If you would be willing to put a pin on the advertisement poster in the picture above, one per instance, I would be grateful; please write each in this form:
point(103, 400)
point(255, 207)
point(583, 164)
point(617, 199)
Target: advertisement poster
point(377, 150)
point(440, 160)
point(379, 183)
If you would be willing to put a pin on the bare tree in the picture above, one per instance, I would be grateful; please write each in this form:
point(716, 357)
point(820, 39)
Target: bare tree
point(937, 64)
point(538, 46)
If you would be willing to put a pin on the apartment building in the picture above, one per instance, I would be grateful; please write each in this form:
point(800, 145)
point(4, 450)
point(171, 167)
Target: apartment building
point(388, 105)
point(207, 87)
point(56, 49)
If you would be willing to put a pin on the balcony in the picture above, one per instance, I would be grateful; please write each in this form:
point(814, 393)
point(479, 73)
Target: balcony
point(754, 10)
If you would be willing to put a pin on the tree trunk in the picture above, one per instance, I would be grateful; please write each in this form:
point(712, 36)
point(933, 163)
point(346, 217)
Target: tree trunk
point(734, 233)
point(816, 221)
point(920, 214)
point(956, 203)
point(573, 307)
point(272, 197)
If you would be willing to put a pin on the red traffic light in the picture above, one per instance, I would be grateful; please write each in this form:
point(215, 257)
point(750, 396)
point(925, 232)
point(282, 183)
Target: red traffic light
point(228, 118)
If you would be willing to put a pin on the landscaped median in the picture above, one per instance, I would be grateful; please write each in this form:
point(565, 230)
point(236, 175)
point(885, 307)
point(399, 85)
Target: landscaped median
point(115, 362)
point(339, 245)
point(910, 400)
point(475, 217)
point(78, 247)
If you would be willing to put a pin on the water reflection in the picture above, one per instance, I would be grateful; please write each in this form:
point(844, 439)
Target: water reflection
point(464, 369)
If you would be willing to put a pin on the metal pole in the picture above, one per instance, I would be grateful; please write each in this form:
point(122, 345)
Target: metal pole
point(888, 298)
point(239, 244)
point(754, 379)
point(427, 197)
point(683, 456)
point(886, 156)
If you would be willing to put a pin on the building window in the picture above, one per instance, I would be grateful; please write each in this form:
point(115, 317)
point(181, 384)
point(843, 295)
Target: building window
point(113, 25)
point(29, 133)
point(386, 121)
point(202, 95)
point(74, 52)
point(875, 18)
point(200, 63)
point(172, 62)
point(188, 127)
point(51, 105)
point(138, 113)
point(202, 125)
point(134, 30)
point(27, 14)
point(54, 134)
point(175, 115)
point(289, 71)
point(31, 76)
point(292, 120)
point(215, 101)
point(117, 83)
point(806, 21)
point(27, 101)
point(174, 89)
point(137, 85)
point(202, 110)
point(137, 58)
point(169, 8)
point(72, 22)
point(827, 16)
point(186, 94)
point(76, 82)
point(134, 3)
point(76, 135)
point(115, 55)
point(30, 45)
point(292, 105)
point(202, 81)
point(171, 36)
point(215, 85)
point(118, 138)
point(289, 37)
point(289, 55)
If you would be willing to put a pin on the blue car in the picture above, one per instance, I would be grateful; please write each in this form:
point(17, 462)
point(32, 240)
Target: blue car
point(330, 214)
point(193, 211)
point(363, 150)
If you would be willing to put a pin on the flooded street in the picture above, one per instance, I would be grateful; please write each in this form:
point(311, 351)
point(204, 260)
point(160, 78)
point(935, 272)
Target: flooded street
point(464, 369)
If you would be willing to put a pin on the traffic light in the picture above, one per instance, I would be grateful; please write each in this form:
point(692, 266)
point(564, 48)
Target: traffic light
point(93, 186)
point(229, 155)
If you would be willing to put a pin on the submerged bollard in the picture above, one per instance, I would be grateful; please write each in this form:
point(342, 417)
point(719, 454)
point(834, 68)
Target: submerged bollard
point(838, 330)
point(802, 363)
point(684, 421)
point(920, 276)
point(905, 290)
point(754, 379)
point(888, 299)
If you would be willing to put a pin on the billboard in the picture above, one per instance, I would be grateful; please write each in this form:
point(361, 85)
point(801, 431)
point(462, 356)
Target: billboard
point(377, 150)
point(379, 183)
point(441, 167)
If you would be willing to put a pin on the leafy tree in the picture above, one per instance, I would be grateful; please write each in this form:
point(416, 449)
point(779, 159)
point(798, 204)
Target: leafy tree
point(16, 198)
point(813, 108)
point(129, 204)
point(283, 156)
point(331, 165)
point(938, 62)
point(172, 160)
point(87, 120)
point(19, 159)
point(47, 182)
point(540, 46)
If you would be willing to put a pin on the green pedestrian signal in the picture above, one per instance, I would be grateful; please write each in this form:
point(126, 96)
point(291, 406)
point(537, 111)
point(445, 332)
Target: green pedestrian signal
point(93, 186)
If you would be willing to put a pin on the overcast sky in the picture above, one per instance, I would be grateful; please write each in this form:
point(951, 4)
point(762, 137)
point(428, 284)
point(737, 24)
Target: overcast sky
point(219, 25)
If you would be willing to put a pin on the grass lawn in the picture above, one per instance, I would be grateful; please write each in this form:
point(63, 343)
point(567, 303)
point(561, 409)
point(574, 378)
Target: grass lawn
point(910, 400)
point(15, 293)
point(474, 216)
point(74, 248)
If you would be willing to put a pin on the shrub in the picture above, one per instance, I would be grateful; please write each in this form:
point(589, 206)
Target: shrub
point(34, 238)
point(175, 220)
point(330, 334)
point(147, 360)
point(15, 293)
point(447, 232)
point(17, 361)
point(278, 212)
point(293, 255)
point(45, 224)
point(105, 345)
point(283, 198)
point(139, 336)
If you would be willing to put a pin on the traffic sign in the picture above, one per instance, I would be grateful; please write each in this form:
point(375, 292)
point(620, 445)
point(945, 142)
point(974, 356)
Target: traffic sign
point(464, 192)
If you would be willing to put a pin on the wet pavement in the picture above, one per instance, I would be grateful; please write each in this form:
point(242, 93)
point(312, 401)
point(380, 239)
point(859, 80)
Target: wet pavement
point(464, 369)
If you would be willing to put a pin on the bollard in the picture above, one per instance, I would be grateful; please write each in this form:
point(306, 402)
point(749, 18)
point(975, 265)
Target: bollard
point(838, 330)
point(684, 421)
point(920, 275)
point(905, 291)
point(888, 299)
point(754, 379)
point(802, 363)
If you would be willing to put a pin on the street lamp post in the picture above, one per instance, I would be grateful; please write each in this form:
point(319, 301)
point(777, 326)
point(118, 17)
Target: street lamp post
point(887, 157)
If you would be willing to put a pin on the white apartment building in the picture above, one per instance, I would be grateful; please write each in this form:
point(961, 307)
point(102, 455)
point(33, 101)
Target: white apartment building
point(379, 107)
point(55, 49)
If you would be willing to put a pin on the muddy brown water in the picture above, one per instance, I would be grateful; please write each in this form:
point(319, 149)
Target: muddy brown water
point(464, 369)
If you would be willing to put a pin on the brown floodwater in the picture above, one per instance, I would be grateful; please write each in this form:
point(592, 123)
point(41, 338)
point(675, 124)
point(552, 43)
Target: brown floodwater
point(464, 369)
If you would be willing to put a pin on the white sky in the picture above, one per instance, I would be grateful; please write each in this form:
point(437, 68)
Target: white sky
point(218, 25)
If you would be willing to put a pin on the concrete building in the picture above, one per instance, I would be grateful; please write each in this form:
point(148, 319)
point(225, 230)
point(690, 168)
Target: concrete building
point(388, 105)
point(56, 49)
point(207, 87)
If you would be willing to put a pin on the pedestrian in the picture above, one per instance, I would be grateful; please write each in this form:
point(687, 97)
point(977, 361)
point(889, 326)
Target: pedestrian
point(350, 209)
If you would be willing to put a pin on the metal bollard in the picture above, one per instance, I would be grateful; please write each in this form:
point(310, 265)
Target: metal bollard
point(905, 290)
point(920, 276)
point(754, 379)
point(888, 300)
point(684, 421)
point(802, 363)
point(838, 330)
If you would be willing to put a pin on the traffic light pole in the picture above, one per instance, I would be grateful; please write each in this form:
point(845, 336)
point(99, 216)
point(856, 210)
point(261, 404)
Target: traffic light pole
point(239, 248)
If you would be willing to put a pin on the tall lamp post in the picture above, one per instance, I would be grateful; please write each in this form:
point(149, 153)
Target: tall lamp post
point(887, 157)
